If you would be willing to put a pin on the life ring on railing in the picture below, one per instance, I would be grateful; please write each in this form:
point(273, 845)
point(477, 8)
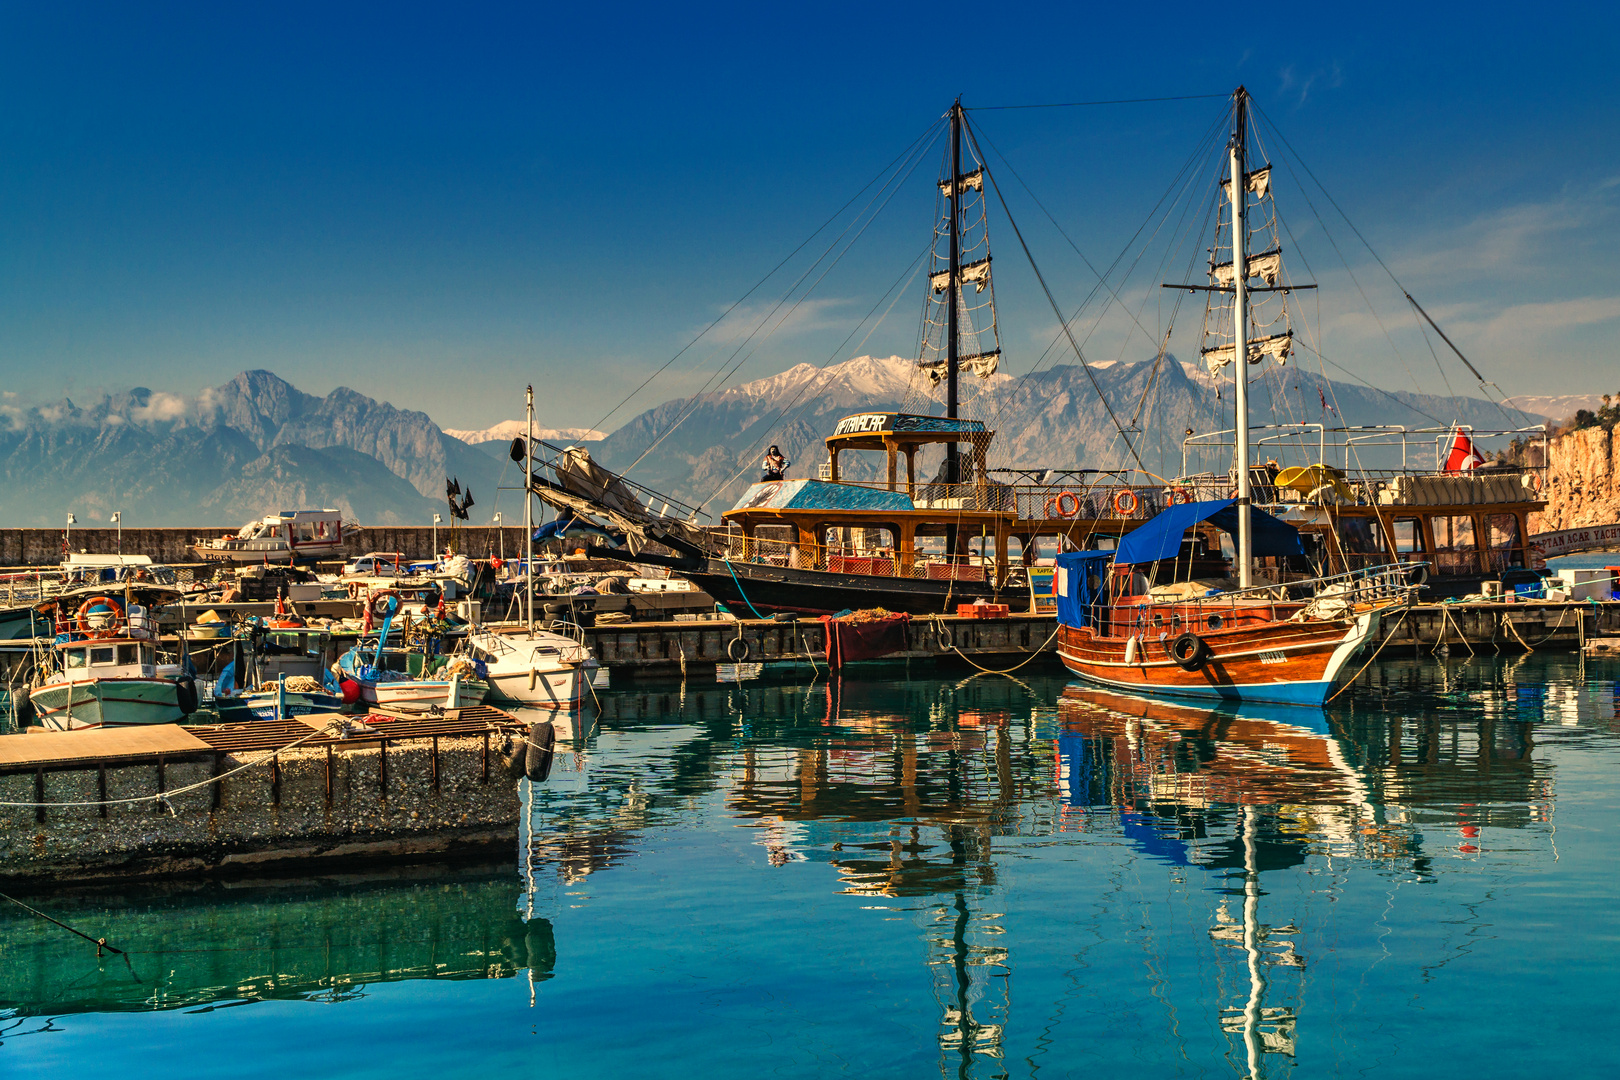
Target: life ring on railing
point(1125, 502)
point(383, 605)
point(109, 604)
point(1181, 495)
point(1054, 505)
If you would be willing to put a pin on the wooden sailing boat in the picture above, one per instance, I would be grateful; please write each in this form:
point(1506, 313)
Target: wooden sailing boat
point(1255, 643)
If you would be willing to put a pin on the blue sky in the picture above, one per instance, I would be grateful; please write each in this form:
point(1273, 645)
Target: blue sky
point(436, 205)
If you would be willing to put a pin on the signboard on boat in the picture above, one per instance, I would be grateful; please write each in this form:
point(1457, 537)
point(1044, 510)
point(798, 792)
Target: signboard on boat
point(1569, 541)
point(873, 423)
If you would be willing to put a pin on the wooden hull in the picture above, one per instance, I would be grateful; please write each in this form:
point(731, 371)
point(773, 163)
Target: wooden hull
point(767, 588)
point(107, 703)
point(1285, 662)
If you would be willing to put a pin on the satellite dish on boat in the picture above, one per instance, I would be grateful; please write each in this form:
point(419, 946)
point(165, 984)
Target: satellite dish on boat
point(516, 453)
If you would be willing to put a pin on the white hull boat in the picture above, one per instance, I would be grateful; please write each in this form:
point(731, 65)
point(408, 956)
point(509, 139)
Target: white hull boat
point(533, 667)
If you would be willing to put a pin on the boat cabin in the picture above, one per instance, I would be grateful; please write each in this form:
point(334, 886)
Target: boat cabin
point(108, 658)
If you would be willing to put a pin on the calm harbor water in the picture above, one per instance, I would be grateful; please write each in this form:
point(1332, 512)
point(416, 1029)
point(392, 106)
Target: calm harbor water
point(968, 877)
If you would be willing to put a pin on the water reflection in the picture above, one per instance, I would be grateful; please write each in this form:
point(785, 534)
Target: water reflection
point(206, 946)
point(907, 790)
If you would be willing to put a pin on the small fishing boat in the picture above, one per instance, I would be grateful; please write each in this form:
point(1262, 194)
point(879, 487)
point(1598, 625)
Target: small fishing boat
point(286, 537)
point(107, 671)
point(384, 677)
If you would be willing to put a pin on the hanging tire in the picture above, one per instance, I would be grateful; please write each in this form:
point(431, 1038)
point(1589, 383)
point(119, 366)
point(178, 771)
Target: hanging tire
point(943, 639)
point(733, 652)
point(541, 749)
point(1189, 651)
point(514, 755)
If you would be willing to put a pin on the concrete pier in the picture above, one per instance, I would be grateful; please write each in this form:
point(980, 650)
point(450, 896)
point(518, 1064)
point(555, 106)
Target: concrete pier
point(389, 789)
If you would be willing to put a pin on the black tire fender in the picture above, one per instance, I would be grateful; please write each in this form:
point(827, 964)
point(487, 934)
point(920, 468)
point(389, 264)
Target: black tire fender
point(732, 651)
point(540, 751)
point(1189, 651)
point(185, 694)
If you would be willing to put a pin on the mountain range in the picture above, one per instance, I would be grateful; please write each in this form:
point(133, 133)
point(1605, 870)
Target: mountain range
point(258, 444)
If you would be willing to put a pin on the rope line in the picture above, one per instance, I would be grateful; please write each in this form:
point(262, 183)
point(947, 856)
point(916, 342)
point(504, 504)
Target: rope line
point(1387, 639)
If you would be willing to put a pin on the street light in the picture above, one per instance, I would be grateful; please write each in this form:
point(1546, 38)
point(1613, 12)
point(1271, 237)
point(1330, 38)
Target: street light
point(436, 520)
point(67, 541)
point(118, 519)
point(500, 533)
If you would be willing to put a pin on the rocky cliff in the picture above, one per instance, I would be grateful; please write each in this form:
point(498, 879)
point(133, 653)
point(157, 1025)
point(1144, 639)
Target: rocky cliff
point(1583, 481)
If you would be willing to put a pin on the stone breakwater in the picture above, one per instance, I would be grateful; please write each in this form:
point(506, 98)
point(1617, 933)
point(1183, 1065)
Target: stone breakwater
point(347, 807)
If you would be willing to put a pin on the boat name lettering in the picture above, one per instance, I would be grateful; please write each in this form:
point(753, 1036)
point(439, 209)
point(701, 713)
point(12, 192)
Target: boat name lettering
point(851, 425)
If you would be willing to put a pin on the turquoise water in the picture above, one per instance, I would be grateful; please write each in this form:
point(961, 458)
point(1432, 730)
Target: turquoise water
point(966, 877)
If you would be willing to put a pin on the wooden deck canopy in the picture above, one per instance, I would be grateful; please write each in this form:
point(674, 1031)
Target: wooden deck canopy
point(903, 433)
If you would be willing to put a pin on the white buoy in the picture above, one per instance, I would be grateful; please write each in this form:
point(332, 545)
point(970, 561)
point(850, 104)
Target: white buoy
point(454, 700)
point(1130, 650)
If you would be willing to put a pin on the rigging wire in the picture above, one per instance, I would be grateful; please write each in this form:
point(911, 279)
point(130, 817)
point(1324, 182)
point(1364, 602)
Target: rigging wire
point(1079, 104)
point(1050, 299)
point(781, 416)
point(1385, 266)
point(932, 128)
point(726, 372)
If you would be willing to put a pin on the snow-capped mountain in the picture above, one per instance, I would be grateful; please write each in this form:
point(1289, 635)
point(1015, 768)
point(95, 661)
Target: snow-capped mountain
point(507, 430)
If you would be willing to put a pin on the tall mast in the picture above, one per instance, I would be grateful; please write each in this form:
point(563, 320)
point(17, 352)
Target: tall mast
point(528, 513)
point(1240, 333)
point(953, 465)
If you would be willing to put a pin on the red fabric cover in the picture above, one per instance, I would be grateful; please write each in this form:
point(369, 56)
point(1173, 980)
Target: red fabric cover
point(848, 641)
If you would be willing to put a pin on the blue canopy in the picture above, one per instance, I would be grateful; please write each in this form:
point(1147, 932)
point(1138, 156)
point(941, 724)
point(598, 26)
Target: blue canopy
point(1078, 582)
point(1161, 537)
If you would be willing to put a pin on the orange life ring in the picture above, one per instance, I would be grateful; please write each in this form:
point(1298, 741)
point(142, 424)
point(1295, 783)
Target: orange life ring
point(82, 620)
point(1125, 502)
point(1181, 495)
point(1054, 505)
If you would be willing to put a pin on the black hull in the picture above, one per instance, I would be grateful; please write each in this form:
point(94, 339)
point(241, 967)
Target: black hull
point(768, 589)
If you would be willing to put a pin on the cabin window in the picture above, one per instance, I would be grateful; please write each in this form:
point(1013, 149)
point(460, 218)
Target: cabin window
point(1455, 551)
point(75, 658)
point(1504, 552)
point(1408, 535)
point(1360, 536)
point(129, 654)
point(99, 657)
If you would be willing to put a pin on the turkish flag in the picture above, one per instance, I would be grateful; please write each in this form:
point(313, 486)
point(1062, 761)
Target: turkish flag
point(1464, 456)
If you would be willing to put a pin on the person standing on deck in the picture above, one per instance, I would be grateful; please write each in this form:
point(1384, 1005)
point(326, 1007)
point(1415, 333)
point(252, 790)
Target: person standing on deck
point(773, 465)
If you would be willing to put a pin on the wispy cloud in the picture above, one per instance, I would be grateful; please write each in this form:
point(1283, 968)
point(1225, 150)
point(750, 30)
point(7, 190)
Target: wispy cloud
point(1291, 82)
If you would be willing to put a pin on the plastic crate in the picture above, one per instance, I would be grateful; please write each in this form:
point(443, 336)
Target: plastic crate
point(983, 611)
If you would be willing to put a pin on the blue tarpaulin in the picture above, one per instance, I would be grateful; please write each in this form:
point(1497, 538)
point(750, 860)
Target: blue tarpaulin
point(1160, 538)
point(1078, 581)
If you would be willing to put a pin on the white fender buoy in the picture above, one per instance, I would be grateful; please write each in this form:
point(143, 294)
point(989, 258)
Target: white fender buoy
point(454, 700)
point(1130, 650)
point(532, 674)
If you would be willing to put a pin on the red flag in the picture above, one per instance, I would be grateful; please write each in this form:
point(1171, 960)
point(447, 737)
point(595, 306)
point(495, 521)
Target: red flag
point(1464, 456)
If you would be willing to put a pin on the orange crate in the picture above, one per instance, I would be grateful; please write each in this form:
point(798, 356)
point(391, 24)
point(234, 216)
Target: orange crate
point(982, 611)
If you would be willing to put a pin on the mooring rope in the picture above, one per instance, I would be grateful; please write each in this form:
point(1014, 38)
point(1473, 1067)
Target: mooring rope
point(163, 797)
point(1032, 656)
point(1387, 639)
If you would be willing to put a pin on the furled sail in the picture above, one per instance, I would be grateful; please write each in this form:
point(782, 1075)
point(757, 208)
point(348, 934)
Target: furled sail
point(1266, 265)
point(1259, 182)
point(1277, 346)
point(976, 272)
point(973, 181)
point(983, 365)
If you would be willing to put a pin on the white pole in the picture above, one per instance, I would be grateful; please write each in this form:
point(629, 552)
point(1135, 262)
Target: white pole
point(528, 515)
point(1240, 339)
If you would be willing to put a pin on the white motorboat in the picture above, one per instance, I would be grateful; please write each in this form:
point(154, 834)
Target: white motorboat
point(532, 667)
point(285, 537)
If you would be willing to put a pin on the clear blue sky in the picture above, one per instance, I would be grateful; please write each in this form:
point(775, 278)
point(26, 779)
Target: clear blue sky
point(436, 205)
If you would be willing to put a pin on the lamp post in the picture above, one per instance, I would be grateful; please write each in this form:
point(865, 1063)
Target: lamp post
point(67, 541)
point(118, 519)
point(436, 520)
point(501, 534)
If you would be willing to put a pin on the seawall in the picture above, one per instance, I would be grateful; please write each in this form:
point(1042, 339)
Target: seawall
point(44, 547)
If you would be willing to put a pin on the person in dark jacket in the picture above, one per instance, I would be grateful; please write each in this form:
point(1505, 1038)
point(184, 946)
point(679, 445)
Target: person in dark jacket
point(774, 465)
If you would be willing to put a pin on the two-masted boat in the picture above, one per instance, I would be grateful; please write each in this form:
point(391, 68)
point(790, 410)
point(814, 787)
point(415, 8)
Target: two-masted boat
point(908, 543)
